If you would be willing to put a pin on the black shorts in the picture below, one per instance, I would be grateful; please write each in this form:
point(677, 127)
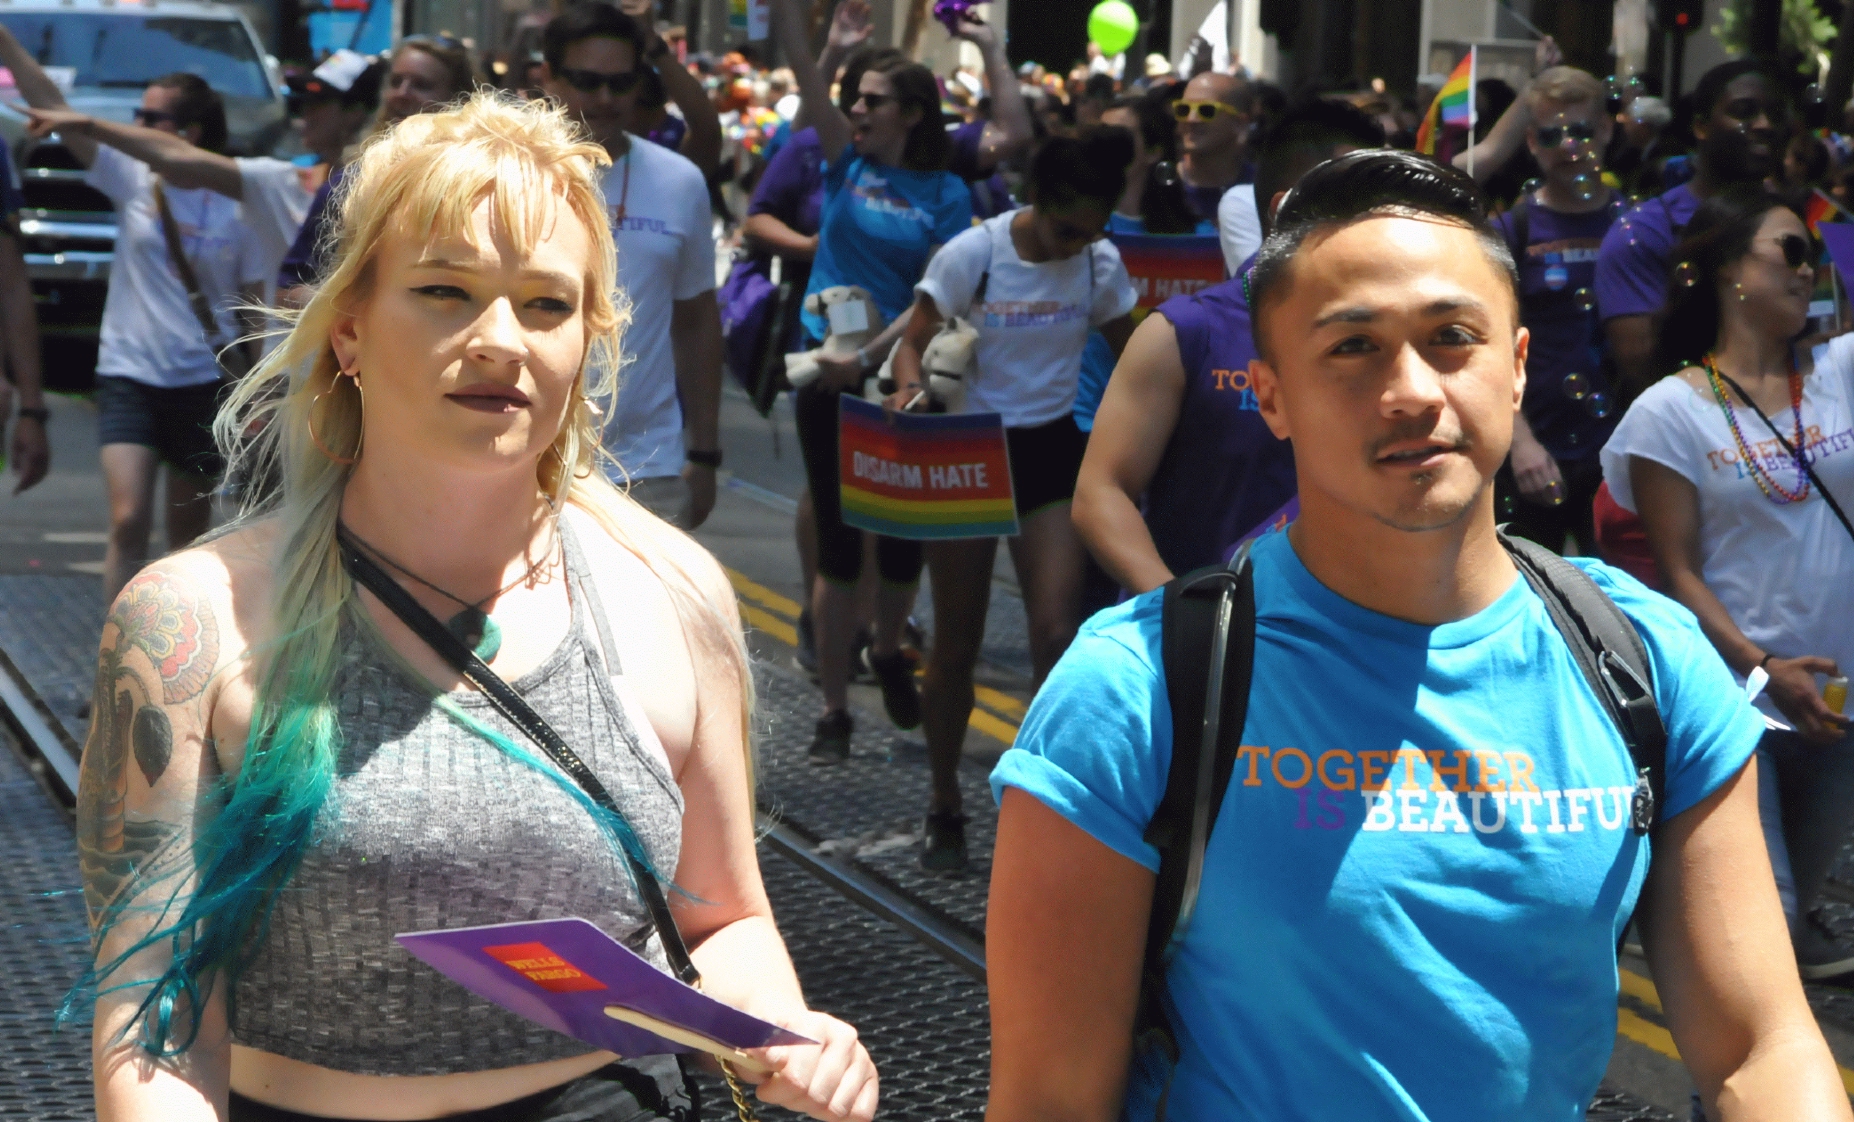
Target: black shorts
point(175, 421)
point(1045, 459)
point(649, 1089)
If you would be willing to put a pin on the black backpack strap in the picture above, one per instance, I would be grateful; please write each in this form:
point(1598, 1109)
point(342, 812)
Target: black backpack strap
point(1614, 661)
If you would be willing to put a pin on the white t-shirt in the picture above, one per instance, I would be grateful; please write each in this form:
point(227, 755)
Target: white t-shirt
point(1034, 321)
point(275, 204)
point(1239, 226)
point(149, 332)
point(666, 252)
point(1785, 572)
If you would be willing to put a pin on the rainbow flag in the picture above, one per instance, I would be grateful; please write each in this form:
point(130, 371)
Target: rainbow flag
point(924, 476)
point(1452, 108)
point(1820, 208)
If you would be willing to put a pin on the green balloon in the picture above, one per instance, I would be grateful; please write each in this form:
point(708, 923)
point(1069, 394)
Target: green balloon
point(1112, 26)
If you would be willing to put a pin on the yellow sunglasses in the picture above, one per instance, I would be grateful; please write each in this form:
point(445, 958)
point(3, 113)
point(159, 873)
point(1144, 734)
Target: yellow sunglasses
point(1205, 110)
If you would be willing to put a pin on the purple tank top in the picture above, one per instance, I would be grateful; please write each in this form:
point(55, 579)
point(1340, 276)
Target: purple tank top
point(1223, 471)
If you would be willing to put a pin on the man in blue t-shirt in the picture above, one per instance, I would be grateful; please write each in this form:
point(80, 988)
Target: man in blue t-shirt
point(1180, 466)
point(1411, 900)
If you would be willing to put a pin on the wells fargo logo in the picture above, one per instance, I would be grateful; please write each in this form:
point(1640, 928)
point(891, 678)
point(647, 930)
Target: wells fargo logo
point(540, 965)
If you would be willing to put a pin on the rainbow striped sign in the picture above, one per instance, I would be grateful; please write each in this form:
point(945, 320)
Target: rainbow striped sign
point(924, 476)
point(1162, 266)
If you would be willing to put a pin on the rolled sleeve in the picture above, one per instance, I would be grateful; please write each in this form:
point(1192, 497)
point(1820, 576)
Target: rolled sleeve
point(1096, 743)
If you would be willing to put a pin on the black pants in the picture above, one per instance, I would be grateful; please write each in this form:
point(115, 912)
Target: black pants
point(651, 1089)
point(840, 547)
point(1544, 523)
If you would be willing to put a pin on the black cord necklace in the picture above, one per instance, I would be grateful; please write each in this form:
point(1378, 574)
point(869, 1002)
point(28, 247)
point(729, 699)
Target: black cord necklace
point(472, 624)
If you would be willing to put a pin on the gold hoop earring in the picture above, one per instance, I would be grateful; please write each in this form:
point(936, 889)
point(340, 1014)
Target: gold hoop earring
point(347, 461)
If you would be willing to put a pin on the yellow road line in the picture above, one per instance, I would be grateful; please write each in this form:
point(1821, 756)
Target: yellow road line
point(1004, 703)
point(763, 596)
point(771, 624)
point(1641, 989)
point(992, 726)
point(1643, 1031)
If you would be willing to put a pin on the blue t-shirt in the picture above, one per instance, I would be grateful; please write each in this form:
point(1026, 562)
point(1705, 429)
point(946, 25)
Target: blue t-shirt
point(1569, 401)
point(880, 223)
point(1411, 900)
point(1097, 365)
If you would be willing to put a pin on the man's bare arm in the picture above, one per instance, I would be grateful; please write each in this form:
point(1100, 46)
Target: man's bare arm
point(1715, 936)
point(175, 159)
point(1138, 412)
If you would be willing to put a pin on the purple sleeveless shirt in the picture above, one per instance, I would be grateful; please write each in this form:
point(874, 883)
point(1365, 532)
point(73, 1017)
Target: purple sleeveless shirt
point(1223, 471)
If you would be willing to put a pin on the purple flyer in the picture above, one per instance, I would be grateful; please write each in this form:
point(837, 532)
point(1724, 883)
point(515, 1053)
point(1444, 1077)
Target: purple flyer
point(563, 973)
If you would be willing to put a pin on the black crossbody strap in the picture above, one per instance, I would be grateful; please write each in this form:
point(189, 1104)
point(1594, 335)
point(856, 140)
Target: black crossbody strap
point(1613, 659)
point(1208, 646)
point(519, 713)
point(1827, 495)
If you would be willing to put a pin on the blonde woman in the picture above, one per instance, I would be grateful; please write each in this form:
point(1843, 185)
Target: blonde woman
point(281, 776)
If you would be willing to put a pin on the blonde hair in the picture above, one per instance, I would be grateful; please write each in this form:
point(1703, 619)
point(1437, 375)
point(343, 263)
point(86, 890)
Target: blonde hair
point(1565, 85)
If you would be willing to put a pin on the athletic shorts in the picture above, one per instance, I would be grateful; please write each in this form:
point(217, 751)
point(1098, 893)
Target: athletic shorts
point(1045, 459)
point(175, 421)
point(650, 1089)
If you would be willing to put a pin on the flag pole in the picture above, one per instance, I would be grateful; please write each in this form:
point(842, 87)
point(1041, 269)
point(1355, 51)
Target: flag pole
point(1472, 62)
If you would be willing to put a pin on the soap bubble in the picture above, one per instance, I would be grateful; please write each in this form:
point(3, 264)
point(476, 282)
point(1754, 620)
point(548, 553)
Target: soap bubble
point(1531, 185)
point(1584, 299)
point(1584, 186)
point(1687, 274)
point(1164, 173)
point(1576, 386)
point(1612, 95)
point(1509, 508)
point(1599, 404)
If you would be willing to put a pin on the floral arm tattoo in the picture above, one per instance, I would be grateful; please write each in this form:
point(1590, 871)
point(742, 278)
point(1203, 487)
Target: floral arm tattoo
point(160, 647)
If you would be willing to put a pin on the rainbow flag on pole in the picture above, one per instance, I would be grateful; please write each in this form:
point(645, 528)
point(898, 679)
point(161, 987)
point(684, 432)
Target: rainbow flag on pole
point(1452, 108)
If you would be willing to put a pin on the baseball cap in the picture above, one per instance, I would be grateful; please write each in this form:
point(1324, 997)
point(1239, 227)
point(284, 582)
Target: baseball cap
point(346, 76)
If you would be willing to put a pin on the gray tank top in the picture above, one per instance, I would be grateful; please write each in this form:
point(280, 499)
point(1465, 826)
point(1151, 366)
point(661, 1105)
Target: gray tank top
point(429, 826)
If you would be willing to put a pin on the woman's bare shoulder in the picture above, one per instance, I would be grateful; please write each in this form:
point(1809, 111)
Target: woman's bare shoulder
point(219, 587)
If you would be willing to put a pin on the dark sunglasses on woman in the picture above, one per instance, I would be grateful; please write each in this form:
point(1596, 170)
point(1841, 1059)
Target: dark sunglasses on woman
point(589, 81)
point(1550, 136)
point(155, 118)
point(1797, 250)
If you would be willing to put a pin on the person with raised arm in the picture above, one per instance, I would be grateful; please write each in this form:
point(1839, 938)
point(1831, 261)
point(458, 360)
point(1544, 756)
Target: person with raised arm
point(889, 205)
point(286, 769)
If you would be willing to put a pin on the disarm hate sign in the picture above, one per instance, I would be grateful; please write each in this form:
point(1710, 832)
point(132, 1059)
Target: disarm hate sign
point(924, 476)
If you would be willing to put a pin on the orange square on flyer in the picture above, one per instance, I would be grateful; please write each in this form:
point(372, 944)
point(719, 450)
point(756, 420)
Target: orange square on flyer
point(540, 965)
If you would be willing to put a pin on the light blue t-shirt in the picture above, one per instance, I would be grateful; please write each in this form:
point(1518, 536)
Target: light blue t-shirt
point(880, 223)
point(1097, 365)
point(1413, 893)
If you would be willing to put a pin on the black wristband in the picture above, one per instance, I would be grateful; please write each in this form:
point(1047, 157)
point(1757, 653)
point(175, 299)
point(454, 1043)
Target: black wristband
point(1762, 662)
point(37, 413)
point(705, 459)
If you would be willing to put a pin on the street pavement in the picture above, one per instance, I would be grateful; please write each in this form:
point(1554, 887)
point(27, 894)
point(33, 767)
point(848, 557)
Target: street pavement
point(868, 812)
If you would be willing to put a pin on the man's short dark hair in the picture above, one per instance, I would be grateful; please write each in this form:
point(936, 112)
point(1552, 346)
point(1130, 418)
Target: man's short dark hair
point(1099, 87)
point(198, 104)
point(1712, 84)
point(1358, 185)
point(1308, 134)
point(591, 20)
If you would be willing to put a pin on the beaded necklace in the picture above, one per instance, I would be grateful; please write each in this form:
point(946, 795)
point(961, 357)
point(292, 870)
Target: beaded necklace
point(1767, 483)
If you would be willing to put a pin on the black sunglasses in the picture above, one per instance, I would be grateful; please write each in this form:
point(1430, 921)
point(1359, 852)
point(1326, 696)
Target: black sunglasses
point(155, 118)
point(589, 81)
point(1550, 136)
point(1797, 250)
point(874, 101)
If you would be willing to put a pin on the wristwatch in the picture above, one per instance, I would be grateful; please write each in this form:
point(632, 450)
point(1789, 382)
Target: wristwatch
point(35, 413)
point(705, 459)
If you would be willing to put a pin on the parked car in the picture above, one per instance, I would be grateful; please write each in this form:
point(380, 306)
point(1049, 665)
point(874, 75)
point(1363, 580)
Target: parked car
point(110, 53)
